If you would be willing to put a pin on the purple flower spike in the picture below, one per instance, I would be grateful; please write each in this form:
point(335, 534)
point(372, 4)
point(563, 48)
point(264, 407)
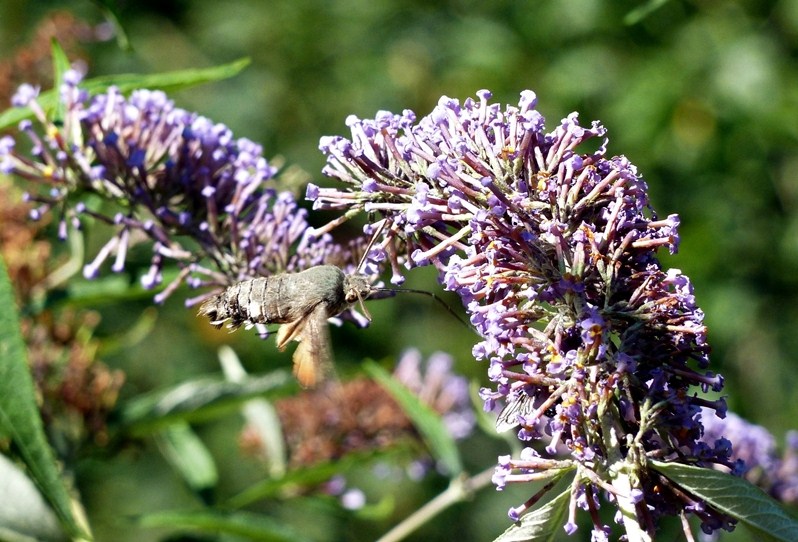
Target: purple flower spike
point(439, 387)
point(593, 347)
point(199, 195)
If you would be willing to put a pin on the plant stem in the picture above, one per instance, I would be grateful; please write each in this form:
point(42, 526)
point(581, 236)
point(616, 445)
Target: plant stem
point(619, 472)
point(634, 533)
point(460, 489)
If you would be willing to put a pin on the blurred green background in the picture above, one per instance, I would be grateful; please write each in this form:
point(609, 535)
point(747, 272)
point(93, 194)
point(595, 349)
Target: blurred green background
point(701, 95)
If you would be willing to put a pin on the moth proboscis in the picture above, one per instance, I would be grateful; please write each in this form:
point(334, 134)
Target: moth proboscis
point(301, 302)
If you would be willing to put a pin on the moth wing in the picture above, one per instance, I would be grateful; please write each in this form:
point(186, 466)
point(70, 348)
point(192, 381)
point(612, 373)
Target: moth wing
point(313, 355)
point(291, 331)
point(521, 405)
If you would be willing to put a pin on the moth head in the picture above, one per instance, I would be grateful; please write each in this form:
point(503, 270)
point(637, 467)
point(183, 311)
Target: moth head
point(357, 289)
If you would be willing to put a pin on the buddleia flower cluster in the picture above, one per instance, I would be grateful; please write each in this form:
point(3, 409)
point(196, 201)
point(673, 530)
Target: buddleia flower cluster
point(596, 352)
point(152, 171)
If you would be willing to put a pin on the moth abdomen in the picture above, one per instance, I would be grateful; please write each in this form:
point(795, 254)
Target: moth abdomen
point(243, 303)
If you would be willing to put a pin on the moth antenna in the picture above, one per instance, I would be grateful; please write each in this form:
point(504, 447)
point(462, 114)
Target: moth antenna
point(433, 296)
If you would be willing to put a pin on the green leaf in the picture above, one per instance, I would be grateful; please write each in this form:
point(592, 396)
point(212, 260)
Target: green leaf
point(542, 524)
point(244, 524)
point(19, 416)
point(169, 81)
point(24, 516)
point(183, 449)
point(60, 66)
point(643, 11)
point(105, 289)
point(380, 511)
point(307, 476)
point(736, 497)
point(133, 335)
point(60, 63)
point(110, 10)
point(198, 399)
point(427, 421)
point(260, 416)
point(312, 475)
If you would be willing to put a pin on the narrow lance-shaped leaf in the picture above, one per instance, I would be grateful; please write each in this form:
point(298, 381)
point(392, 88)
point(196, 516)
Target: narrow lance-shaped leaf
point(306, 476)
point(19, 416)
point(60, 66)
point(427, 421)
point(246, 525)
point(24, 513)
point(541, 524)
point(197, 399)
point(189, 456)
point(126, 83)
point(259, 414)
point(736, 497)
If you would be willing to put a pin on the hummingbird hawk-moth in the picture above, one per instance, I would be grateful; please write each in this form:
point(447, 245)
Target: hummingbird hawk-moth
point(301, 302)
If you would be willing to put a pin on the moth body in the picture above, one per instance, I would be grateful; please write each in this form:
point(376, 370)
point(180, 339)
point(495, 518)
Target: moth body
point(302, 302)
